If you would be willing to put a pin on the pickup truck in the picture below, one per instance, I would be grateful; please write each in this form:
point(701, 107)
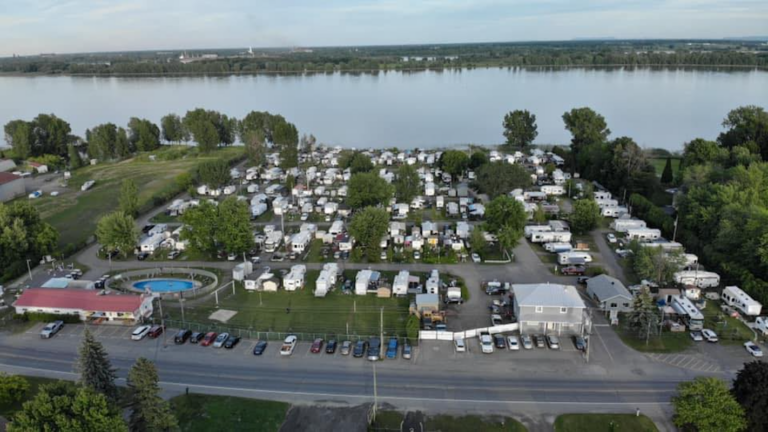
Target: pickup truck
point(289, 344)
point(51, 329)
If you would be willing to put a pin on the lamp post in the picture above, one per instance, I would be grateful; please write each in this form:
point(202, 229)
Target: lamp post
point(29, 269)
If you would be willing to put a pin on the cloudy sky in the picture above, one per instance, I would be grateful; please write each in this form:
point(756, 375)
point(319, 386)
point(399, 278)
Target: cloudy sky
point(34, 26)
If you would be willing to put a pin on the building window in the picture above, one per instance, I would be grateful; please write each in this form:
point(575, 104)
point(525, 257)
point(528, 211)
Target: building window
point(626, 305)
point(539, 309)
point(613, 305)
point(563, 310)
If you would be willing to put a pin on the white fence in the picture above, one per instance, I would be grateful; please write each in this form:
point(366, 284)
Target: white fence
point(449, 336)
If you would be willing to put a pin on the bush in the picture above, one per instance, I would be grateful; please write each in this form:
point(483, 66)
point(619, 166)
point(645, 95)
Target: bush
point(12, 388)
point(412, 327)
point(47, 317)
point(595, 271)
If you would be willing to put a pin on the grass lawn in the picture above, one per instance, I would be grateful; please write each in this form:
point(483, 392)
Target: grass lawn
point(659, 163)
point(7, 409)
point(668, 342)
point(391, 420)
point(197, 412)
point(729, 330)
point(75, 214)
point(602, 422)
point(302, 312)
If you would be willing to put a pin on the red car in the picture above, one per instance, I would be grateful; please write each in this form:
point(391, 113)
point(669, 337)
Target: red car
point(208, 339)
point(155, 331)
point(317, 346)
point(573, 271)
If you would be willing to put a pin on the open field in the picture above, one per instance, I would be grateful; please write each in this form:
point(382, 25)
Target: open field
point(75, 213)
point(197, 412)
point(668, 342)
point(659, 163)
point(604, 423)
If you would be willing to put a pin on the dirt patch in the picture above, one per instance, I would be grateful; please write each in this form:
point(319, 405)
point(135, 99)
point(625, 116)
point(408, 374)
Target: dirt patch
point(325, 419)
point(222, 315)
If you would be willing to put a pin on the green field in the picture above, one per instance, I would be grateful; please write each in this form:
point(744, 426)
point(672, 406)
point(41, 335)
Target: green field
point(75, 214)
point(669, 342)
point(729, 330)
point(659, 163)
point(604, 423)
point(196, 412)
point(302, 312)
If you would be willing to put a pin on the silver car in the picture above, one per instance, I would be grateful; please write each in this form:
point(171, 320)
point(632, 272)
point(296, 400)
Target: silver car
point(220, 339)
point(527, 342)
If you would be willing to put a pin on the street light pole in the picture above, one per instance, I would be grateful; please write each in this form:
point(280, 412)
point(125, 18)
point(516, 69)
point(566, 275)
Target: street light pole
point(29, 269)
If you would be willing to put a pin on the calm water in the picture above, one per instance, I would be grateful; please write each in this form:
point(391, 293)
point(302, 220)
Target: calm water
point(658, 108)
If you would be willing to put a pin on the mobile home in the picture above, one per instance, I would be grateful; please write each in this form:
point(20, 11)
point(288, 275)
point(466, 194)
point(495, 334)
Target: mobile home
point(735, 297)
point(551, 236)
point(623, 225)
point(273, 242)
point(643, 234)
point(294, 280)
point(530, 229)
point(300, 241)
point(362, 280)
point(558, 247)
point(701, 279)
point(400, 284)
point(565, 258)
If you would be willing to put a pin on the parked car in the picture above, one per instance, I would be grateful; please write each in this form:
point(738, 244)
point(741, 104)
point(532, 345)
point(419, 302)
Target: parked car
point(392, 348)
point(476, 258)
point(278, 257)
point(155, 331)
point(486, 343)
point(231, 256)
point(495, 319)
point(142, 256)
point(260, 347)
point(383, 255)
point(51, 329)
point(182, 336)
point(527, 342)
point(553, 342)
point(330, 347)
point(611, 238)
point(539, 340)
point(346, 347)
point(459, 344)
point(374, 349)
point(304, 217)
point(573, 271)
point(196, 337)
point(416, 255)
point(697, 336)
point(172, 255)
point(220, 339)
point(360, 348)
point(513, 343)
point(407, 350)
point(140, 332)
point(208, 339)
point(753, 349)
point(582, 280)
point(317, 345)
point(499, 342)
point(709, 335)
point(580, 343)
point(289, 344)
point(231, 342)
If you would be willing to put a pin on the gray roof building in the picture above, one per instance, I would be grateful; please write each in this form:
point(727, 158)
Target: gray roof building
point(610, 293)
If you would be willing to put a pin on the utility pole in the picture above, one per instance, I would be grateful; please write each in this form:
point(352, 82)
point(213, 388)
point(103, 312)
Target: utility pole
point(29, 269)
point(183, 321)
point(674, 233)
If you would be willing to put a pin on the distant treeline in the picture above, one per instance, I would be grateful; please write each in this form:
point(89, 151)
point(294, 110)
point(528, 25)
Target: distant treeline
point(437, 57)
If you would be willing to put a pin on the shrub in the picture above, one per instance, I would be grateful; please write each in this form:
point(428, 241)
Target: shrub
point(47, 317)
point(12, 388)
point(595, 271)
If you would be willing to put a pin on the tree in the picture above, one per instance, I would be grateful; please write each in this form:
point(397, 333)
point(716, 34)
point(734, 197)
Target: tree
point(255, 147)
point(498, 178)
point(286, 137)
point(50, 135)
point(23, 235)
point(477, 239)
point(644, 318)
point(172, 128)
point(75, 161)
point(96, 371)
point(129, 198)
point(235, 226)
point(747, 124)
point(586, 127)
point(117, 230)
point(200, 227)
point(454, 162)
point(505, 211)
point(21, 140)
point(706, 405)
point(101, 144)
point(478, 159)
point(359, 163)
point(655, 264)
point(12, 388)
point(368, 189)
point(123, 146)
point(368, 226)
point(586, 213)
point(214, 173)
point(666, 176)
point(508, 237)
point(750, 389)
point(520, 128)
point(62, 406)
point(539, 215)
point(143, 134)
point(407, 184)
point(307, 144)
point(149, 412)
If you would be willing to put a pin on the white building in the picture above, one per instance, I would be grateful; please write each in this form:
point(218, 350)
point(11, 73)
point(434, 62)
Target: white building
point(294, 280)
point(300, 241)
point(362, 280)
point(326, 280)
point(400, 284)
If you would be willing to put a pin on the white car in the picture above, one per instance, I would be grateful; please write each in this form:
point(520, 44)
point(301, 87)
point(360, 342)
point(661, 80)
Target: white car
point(231, 257)
point(486, 343)
point(172, 255)
point(220, 339)
point(611, 238)
point(709, 335)
point(513, 343)
point(140, 332)
point(460, 345)
point(697, 336)
point(416, 255)
point(496, 319)
point(476, 258)
point(51, 329)
point(383, 255)
point(55, 193)
point(288, 345)
point(753, 349)
point(304, 217)
point(36, 194)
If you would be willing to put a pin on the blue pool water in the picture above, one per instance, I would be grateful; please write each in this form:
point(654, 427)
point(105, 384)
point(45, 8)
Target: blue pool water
point(164, 285)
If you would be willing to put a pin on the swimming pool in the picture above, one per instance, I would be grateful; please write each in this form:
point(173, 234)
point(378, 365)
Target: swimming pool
point(164, 285)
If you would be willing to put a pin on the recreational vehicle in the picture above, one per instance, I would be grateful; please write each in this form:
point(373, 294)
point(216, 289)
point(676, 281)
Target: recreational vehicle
point(735, 297)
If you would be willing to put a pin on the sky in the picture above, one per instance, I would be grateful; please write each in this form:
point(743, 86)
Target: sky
point(65, 26)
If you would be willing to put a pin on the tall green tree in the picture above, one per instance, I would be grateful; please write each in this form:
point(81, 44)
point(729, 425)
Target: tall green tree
point(706, 405)
point(172, 128)
point(360, 163)
point(101, 144)
point(407, 183)
point(143, 134)
point(255, 147)
point(520, 128)
point(667, 176)
point(75, 161)
point(504, 211)
point(499, 178)
point(286, 137)
point(539, 215)
point(123, 146)
point(23, 235)
point(117, 230)
point(750, 389)
point(96, 371)
point(508, 237)
point(149, 412)
point(454, 162)
point(746, 125)
point(22, 140)
point(214, 173)
point(586, 214)
point(368, 189)
point(478, 159)
point(201, 227)
point(477, 240)
point(50, 135)
point(129, 198)
point(62, 406)
point(368, 227)
point(586, 127)
point(234, 221)
point(13, 388)
point(644, 318)
point(655, 264)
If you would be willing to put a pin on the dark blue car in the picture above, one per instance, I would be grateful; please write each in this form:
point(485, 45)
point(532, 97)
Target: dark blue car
point(392, 348)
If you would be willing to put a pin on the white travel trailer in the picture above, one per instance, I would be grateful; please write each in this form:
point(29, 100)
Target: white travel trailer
point(551, 237)
point(400, 284)
point(273, 242)
point(553, 189)
point(735, 297)
point(337, 227)
point(258, 209)
point(440, 201)
point(433, 283)
point(688, 312)
point(666, 245)
point(643, 234)
point(530, 229)
point(565, 258)
point(429, 189)
point(614, 212)
point(294, 280)
point(558, 247)
point(701, 279)
point(603, 203)
point(623, 225)
point(300, 241)
point(326, 280)
point(362, 280)
point(761, 325)
point(242, 270)
point(152, 243)
point(602, 195)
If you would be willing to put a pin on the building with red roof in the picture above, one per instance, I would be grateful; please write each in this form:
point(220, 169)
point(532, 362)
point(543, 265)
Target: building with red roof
point(90, 305)
point(11, 186)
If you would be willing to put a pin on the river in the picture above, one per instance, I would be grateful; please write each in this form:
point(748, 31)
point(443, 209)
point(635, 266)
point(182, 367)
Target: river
point(658, 108)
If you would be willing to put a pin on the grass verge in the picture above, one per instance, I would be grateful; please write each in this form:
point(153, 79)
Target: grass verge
point(604, 422)
point(668, 342)
point(197, 412)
